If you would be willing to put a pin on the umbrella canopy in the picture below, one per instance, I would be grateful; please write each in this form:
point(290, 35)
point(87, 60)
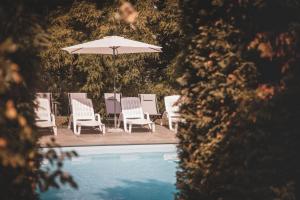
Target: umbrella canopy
point(112, 45)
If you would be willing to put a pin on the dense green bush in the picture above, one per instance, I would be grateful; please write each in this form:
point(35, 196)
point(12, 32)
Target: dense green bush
point(21, 173)
point(241, 95)
point(74, 22)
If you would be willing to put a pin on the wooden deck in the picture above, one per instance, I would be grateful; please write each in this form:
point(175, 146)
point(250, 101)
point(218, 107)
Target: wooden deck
point(90, 137)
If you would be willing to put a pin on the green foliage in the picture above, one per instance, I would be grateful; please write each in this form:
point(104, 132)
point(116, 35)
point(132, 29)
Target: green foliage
point(237, 67)
point(240, 99)
point(21, 173)
point(81, 21)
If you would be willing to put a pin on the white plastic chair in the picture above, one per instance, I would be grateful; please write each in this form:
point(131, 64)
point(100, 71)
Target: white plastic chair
point(44, 117)
point(149, 104)
point(76, 95)
point(132, 113)
point(44, 95)
point(83, 115)
point(110, 101)
point(172, 111)
point(48, 95)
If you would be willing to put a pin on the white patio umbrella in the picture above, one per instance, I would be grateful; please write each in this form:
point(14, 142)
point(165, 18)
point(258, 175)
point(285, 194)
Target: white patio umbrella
point(113, 45)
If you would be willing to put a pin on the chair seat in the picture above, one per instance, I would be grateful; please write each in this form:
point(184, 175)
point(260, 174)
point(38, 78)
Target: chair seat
point(139, 121)
point(176, 119)
point(44, 124)
point(155, 114)
point(88, 123)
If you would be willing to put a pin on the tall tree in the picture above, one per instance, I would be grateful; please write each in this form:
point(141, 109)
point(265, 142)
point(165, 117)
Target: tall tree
point(155, 22)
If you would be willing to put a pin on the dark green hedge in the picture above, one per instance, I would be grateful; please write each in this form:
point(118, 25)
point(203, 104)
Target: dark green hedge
point(241, 97)
point(21, 174)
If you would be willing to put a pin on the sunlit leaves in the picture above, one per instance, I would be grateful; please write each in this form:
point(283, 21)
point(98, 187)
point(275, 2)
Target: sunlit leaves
point(156, 23)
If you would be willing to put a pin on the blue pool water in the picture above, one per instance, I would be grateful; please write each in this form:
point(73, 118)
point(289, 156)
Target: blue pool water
point(135, 172)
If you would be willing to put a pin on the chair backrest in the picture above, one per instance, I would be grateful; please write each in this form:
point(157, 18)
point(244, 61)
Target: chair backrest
point(131, 107)
point(83, 109)
point(43, 111)
point(149, 103)
point(169, 103)
point(44, 95)
point(76, 95)
point(109, 103)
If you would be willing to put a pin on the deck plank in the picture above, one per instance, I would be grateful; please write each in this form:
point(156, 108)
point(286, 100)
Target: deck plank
point(89, 137)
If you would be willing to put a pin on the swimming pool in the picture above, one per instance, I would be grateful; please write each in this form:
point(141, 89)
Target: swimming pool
point(131, 172)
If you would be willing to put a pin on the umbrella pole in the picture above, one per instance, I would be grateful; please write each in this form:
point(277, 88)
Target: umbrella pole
point(115, 97)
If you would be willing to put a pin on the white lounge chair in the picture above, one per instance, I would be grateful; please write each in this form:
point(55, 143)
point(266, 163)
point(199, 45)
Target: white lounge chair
point(149, 104)
point(83, 115)
point(48, 95)
point(76, 95)
point(109, 105)
point(172, 111)
point(44, 95)
point(44, 117)
point(132, 114)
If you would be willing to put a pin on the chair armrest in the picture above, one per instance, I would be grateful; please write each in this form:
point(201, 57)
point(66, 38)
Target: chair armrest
point(173, 114)
point(97, 117)
point(123, 116)
point(55, 102)
point(147, 115)
point(53, 118)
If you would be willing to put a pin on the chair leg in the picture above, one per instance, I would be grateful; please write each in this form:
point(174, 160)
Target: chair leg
point(176, 127)
point(153, 127)
point(74, 127)
point(76, 132)
point(102, 128)
point(79, 130)
point(161, 119)
point(130, 128)
point(170, 123)
point(119, 120)
point(70, 122)
point(150, 126)
point(125, 125)
point(55, 130)
point(119, 123)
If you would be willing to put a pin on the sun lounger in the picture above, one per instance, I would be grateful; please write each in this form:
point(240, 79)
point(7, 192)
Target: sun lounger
point(76, 95)
point(44, 117)
point(48, 95)
point(149, 104)
point(132, 114)
point(109, 104)
point(172, 111)
point(83, 115)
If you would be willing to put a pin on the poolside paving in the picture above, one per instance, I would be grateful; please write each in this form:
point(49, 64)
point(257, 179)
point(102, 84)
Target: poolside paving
point(88, 137)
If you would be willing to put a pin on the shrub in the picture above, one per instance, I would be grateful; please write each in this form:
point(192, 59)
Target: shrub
point(21, 173)
point(239, 99)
